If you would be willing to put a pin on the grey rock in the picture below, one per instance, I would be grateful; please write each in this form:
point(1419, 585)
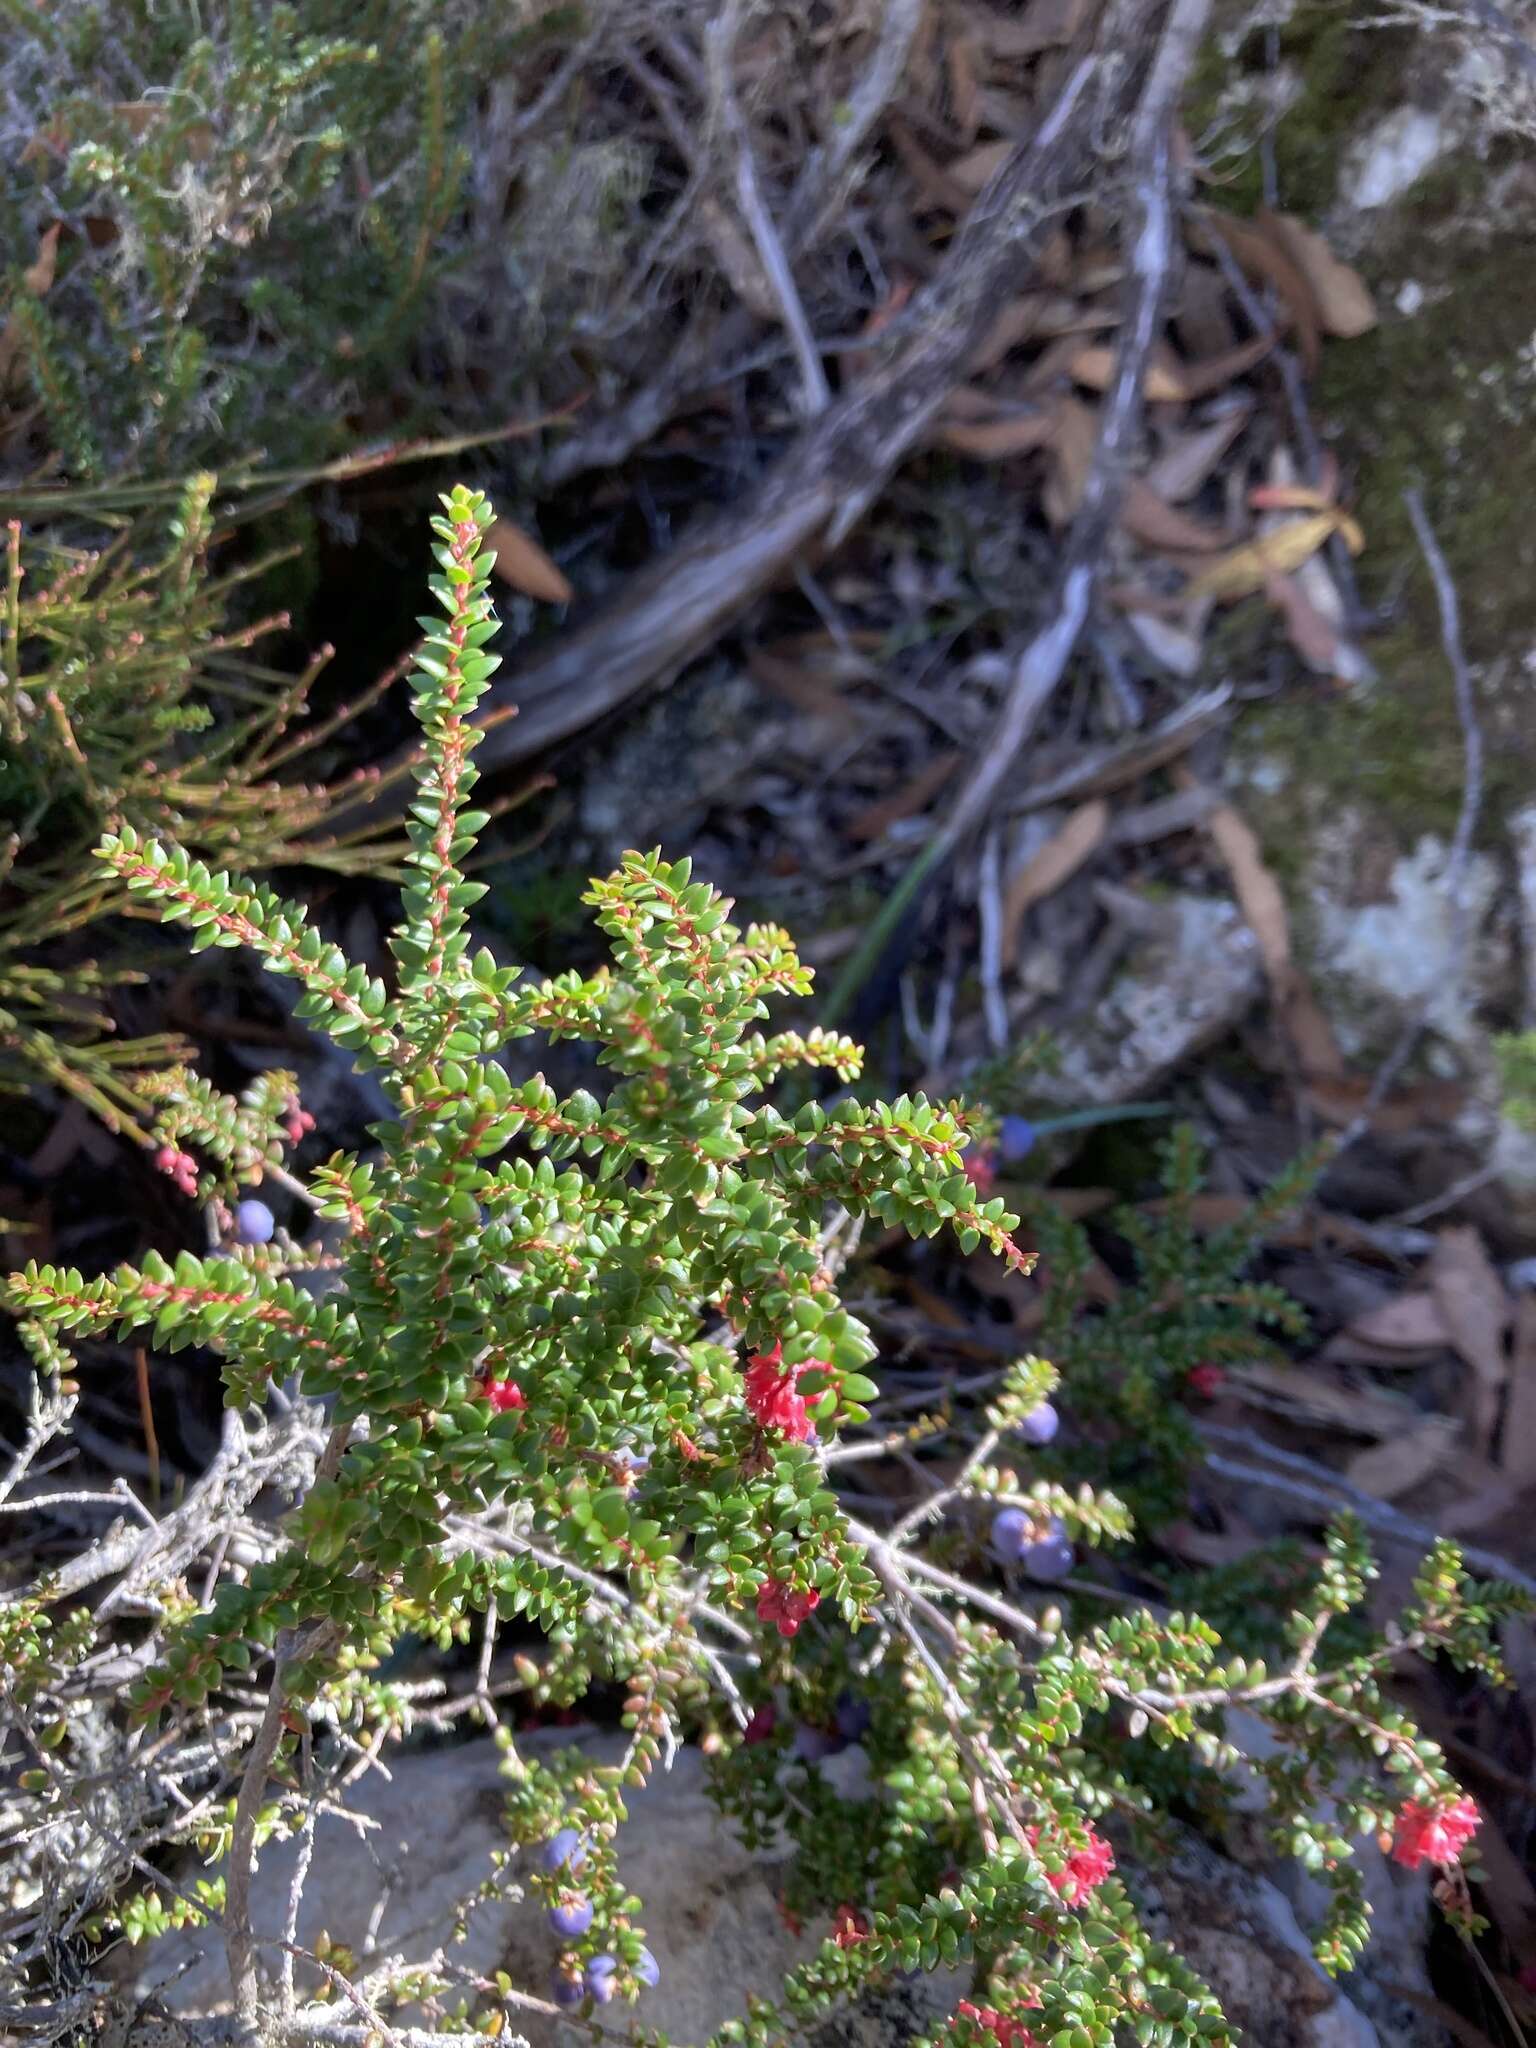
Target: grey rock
point(412, 1847)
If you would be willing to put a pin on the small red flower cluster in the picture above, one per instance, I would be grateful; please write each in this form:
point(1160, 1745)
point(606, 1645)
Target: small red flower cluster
point(1206, 1380)
point(1428, 1834)
point(503, 1394)
point(1084, 1871)
point(980, 1169)
point(849, 1927)
point(297, 1121)
point(181, 1166)
point(785, 1607)
point(772, 1393)
point(1008, 2032)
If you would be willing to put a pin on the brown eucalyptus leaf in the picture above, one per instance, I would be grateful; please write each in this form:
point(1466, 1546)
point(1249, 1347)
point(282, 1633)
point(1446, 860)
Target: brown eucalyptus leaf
point(523, 564)
point(1264, 259)
point(1055, 863)
point(1401, 1463)
point(1189, 461)
point(1157, 524)
point(1345, 307)
point(1477, 1313)
point(1411, 1322)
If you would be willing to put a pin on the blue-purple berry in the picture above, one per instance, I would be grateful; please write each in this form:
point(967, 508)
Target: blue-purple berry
point(567, 1990)
point(853, 1715)
point(564, 1851)
point(1016, 1137)
point(572, 1916)
point(1052, 1557)
point(1011, 1533)
point(599, 1978)
point(254, 1222)
point(1040, 1424)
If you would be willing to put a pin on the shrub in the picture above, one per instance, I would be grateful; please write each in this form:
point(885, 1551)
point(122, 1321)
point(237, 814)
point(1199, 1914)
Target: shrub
point(232, 224)
point(129, 696)
point(586, 1369)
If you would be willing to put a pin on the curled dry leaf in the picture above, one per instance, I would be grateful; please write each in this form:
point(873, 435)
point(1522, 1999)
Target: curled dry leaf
point(1399, 1464)
point(1055, 863)
point(1264, 259)
point(1157, 524)
point(1339, 1098)
point(1477, 1314)
point(914, 796)
point(1074, 433)
point(1248, 569)
point(38, 278)
point(1190, 459)
point(523, 564)
point(998, 436)
point(1411, 1322)
point(1345, 307)
point(1259, 895)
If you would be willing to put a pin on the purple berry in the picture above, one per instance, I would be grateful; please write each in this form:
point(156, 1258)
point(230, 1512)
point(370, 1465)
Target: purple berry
point(565, 1851)
point(573, 1915)
point(1015, 1137)
point(599, 1978)
point(853, 1716)
point(1011, 1529)
point(1040, 1424)
point(1052, 1557)
point(566, 1990)
point(254, 1222)
point(647, 1969)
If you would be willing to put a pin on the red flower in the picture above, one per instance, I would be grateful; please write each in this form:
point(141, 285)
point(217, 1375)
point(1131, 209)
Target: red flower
point(686, 1446)
point(771, 1394)
point(784, 1607)
point(1009, 2033)
point(297, 1121)
point(1206, 1380)
point(849, 1927)
point(503, 1394)
point(1084, 1871)
point(980, 1169)
point(1427, 1834)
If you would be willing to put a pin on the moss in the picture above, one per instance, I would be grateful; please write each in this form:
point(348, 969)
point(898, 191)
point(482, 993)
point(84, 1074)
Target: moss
point(1345, 75)
point(1438, 401)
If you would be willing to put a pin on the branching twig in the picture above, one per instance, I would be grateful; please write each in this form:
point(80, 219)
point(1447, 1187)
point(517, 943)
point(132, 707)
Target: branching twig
point(1149, 247)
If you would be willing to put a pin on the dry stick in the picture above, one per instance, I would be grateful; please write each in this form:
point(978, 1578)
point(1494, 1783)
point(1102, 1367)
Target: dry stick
point(1466, 821)
point(1149, 234)
point(820, 488)
point(721, 43)
point(695, 365)
point(292, 1646)
point(1315, 1486)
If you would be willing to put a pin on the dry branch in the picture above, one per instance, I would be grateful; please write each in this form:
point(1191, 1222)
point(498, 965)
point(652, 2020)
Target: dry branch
point(820, 488)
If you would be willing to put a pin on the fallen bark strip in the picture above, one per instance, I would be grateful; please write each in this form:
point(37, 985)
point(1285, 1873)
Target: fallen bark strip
point(819, 489)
